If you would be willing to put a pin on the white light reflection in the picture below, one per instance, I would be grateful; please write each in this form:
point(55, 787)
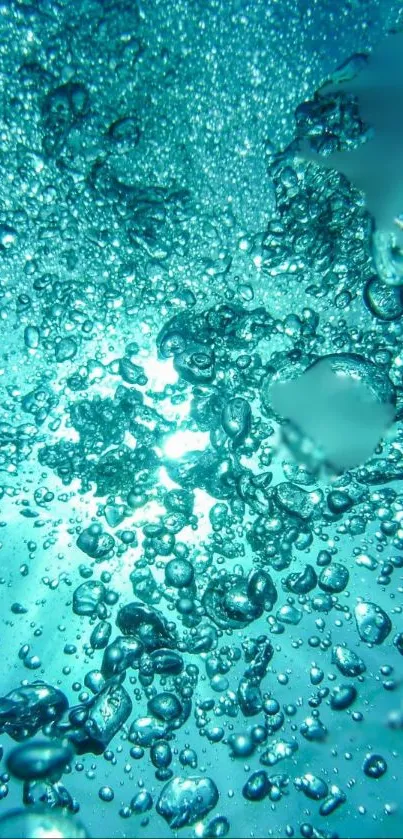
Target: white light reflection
point(165, 480)
point(182, 442)
point(149, 513)
point(159, 372)
point(66, 433)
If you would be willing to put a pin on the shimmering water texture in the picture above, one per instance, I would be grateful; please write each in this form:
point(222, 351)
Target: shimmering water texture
point(201, 440)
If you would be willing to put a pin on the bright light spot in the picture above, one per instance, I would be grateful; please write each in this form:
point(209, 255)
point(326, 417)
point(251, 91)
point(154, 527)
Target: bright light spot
point(183, 442)
point(160, 372)
point(315, 497)
point(166, 481)
point(148, 513)
point(203, 505)
point(129, 440)
point(150, 424)
point(67, 434)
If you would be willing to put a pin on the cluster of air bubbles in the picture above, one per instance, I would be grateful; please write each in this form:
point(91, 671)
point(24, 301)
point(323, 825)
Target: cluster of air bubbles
point(201, 430)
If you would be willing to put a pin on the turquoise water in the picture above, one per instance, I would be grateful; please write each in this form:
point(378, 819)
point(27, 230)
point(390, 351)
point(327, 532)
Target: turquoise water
point(200, 431)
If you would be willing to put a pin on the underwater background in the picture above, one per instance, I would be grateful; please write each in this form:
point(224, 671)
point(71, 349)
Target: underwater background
point(201, 440)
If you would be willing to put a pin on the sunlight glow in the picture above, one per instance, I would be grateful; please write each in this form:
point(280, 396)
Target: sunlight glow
point(165, 480)
point(147, 514)
point(160, 372)
point(182, 442)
